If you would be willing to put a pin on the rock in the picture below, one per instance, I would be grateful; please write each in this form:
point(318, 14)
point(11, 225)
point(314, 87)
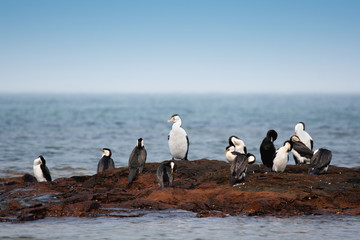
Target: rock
point(29, 178)
point(200, 186)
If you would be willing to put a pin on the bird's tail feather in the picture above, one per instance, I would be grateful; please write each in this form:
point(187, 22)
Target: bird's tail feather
point(314, 171)
point(132, 175)
point(233, 180)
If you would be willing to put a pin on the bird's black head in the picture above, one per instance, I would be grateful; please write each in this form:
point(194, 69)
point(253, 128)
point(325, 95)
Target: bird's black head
point(272, 134)
point(231, 143)
point(140, 143)
point(303, 125)
point(43, 162)
point(288, 144)
point(294, 138)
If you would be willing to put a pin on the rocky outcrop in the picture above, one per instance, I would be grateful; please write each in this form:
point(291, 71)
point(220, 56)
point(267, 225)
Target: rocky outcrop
point(201, 186)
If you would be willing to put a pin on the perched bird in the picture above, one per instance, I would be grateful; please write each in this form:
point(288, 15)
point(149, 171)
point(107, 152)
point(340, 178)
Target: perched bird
point(165, 174)
point(281, 157)
point(320, 161)
point(41, 172)
point(239, 144)
point(301, 153)
point(106, 161)
point(303, 135)
point(137, 160)
point(239, 164)
point(267, 148)
point(178, 139)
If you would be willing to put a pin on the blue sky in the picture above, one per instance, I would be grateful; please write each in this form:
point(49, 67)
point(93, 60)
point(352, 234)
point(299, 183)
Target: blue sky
point(180, 46)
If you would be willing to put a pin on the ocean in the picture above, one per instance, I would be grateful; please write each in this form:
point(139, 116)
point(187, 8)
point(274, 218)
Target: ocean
point(69, 130)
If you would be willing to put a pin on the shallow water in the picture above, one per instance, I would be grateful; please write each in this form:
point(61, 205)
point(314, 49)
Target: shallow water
point(181, 225)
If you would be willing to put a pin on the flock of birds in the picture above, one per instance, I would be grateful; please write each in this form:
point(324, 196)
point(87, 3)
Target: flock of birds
point(300, 144)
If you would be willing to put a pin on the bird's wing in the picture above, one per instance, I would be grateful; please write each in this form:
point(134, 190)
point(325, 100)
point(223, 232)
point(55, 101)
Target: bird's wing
point(302, 149)
point(111, 163)
point(46, 172)
point(240, 164)
point(134, 159)
point(321, 158)
point(132, 174)
point(188, 144)
point(143, 155)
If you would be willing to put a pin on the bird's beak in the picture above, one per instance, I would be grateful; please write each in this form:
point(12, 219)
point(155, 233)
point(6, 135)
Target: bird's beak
point(169, 120)
point(172, 171)
point(101, 150)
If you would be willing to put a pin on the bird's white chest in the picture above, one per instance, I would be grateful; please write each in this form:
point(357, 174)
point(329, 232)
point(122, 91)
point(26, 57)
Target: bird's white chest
point(178, 142)
point(230, 157)
point(280, 160)
point(39, 174)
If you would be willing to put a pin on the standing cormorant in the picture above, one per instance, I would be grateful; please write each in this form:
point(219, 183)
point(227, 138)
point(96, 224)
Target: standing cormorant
point(239, 164)
point(106, 161)
point(165, 174)
point(281, 157)
point(137, 160)
point(301, 153)
point(320, 161)
point(41, 172)
point(178, 139)
point(267, 148)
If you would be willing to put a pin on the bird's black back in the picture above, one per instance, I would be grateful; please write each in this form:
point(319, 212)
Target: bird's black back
point(239, 165)
point(136, 162)
point(267, 151)
point(45, 172)
point(321, 159)
point(302, 149)
point(137, 157)
point(105, 163)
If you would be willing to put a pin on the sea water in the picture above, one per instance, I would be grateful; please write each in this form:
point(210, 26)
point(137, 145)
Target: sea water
point(180, 225)
point(69, 131)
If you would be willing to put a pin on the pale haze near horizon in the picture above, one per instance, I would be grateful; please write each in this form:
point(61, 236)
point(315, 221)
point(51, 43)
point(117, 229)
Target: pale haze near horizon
point(179, 46)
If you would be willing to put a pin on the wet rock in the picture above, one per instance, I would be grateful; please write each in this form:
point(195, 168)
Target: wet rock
point(200, 186)
point(13, 206)
point(29, 178)
point(211, 214)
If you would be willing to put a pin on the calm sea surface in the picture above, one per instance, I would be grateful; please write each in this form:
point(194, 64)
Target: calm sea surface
point(183, 225)
point(69, 131)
